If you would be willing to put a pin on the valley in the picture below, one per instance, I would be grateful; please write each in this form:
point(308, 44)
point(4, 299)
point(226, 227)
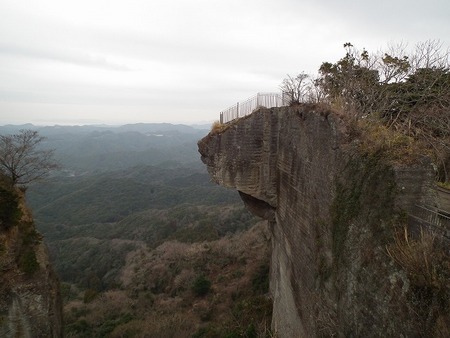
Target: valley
point(133, 222)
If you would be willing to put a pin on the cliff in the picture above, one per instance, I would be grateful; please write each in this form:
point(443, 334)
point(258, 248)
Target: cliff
point(338, 203)
point(30, 304)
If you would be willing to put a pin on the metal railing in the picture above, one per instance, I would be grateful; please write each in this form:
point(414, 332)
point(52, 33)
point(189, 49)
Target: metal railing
point(241, 109)
point(433, 219)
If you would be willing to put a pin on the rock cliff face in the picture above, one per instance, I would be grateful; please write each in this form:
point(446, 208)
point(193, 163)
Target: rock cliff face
point(334, 211)
point(30, 304)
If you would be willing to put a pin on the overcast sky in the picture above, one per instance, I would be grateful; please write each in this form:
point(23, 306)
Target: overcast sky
point(116, 62)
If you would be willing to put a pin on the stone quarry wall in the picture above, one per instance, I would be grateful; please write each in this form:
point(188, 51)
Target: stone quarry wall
point(333, 211)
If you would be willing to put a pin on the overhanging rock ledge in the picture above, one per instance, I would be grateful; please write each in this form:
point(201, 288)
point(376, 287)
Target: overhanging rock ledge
point(333, 211)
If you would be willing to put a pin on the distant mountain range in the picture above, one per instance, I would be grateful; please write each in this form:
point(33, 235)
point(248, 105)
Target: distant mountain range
point(137, 183)
point(134, 215)
point(139, 127)
point(94, 148)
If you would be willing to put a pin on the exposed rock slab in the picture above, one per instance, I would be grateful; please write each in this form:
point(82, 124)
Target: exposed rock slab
point(333, 212)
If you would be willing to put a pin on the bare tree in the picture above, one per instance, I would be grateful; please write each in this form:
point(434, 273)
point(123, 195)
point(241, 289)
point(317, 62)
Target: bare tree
point(22, 160)
point(296, 89)
point(430, 54)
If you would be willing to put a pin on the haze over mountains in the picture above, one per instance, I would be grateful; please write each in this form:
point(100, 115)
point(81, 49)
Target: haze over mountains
point(125, 199)
point(97, 148)
point(114, 182)
point(111, 175)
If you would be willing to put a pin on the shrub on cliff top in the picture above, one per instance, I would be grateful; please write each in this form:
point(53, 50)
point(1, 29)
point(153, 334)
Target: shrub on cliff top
point(408, 94)
point(218, 127)
point(376, 137)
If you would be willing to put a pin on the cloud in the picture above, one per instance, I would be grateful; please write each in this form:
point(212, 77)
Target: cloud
point(77, 58)
point(165, 59)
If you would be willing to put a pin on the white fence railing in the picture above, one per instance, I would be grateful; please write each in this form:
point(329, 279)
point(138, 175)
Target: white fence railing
point(241, 109)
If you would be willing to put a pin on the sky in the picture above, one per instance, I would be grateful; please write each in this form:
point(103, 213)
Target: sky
point(178, 61)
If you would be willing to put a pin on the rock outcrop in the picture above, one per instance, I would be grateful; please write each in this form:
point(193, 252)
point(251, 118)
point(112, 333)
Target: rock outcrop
point(336, 211)
point(30, 302)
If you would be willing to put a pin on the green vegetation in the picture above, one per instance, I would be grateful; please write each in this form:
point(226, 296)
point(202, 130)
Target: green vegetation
point(129, 239)
point(96, 219)
point(9, 207)
point(28, 262)
point(372, 183)
point(445, 185)
point(27, 237)
point(105, 245)
point(260, 281)
point(409, 94)
point(111, 197)
point(181, 289)
point(89, 295)
point(201, 286)
point(82, 328)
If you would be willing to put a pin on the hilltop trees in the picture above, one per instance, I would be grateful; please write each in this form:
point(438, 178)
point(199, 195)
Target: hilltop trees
point(22, 160)
point(301, 89)
point(296, 88)
point(350, 82)
point(386, 83)
point(408, 93)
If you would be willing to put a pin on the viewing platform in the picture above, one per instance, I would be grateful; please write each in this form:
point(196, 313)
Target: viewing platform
point(241, 109)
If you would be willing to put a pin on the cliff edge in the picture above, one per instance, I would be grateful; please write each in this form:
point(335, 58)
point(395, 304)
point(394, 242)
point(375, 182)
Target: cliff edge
point(30, 303)
point(348, 253)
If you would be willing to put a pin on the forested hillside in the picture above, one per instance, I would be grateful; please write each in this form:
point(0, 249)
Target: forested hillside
point(125, 199)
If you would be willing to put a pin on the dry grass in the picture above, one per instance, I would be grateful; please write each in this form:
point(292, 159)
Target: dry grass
point(375, 137)
point(218, 127)
point(424, 260)
point(445, 185)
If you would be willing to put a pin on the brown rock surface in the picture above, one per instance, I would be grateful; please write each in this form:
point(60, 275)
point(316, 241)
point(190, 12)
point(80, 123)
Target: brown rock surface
point(30, 303)
point(333, 211)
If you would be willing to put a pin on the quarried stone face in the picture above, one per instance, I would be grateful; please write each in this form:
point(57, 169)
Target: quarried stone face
point(334, 211)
